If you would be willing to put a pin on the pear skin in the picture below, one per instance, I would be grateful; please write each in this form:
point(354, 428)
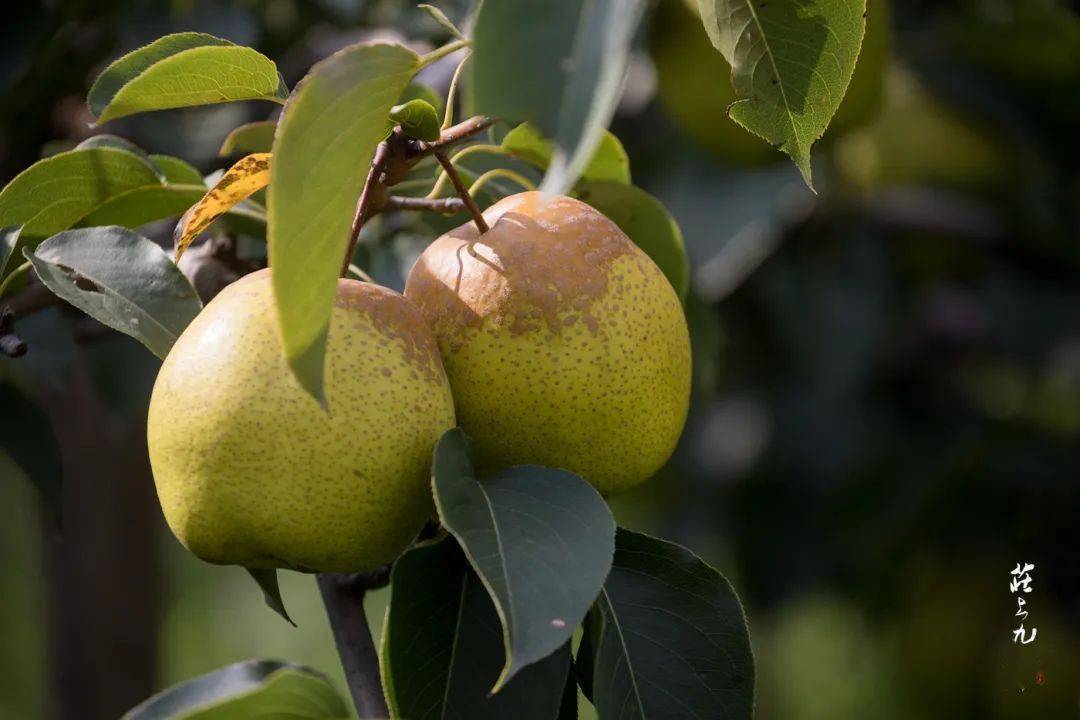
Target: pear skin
point(250, 470)
point(564, 343)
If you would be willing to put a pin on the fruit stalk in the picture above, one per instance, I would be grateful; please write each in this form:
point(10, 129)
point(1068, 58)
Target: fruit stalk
point(463, 192)
point(343, 596)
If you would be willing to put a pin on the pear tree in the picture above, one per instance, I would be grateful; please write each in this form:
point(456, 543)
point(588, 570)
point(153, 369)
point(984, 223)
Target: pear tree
point(456, 442)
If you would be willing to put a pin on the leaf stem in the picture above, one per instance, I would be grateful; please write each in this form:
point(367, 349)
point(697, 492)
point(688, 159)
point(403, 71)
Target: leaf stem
point(463, 192)
point(440, 53)
point(451, 95)
point(501, 172)
point(13, 276)
point(440, 182)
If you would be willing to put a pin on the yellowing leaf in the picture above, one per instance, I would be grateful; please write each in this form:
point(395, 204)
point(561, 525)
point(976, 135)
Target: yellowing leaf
point(248, 175)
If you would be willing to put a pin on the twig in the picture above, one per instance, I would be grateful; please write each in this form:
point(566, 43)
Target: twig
point(447, 206)
point(453, 134)
point(463, 192)
point(366, 207)
point(343, 596)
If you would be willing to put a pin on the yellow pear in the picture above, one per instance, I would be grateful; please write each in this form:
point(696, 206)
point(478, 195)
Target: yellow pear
point(251, 470)
point(564, 343)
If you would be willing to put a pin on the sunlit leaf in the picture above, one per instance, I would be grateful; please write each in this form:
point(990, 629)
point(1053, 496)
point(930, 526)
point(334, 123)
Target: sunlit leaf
point(121, 279)
point(119, 143)
point(241, 180)
point(609, 162)
point(791, 63)
point(252, 137)
point(250, 690)
point(177, 171)
point(53, 194)
point(183, 70)
point(418, 119)
point(324, 144)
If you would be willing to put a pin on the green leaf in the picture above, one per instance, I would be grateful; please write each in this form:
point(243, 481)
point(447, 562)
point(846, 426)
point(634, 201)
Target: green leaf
point(420, 91)
point(540, 539)
point(120, 278)
point(11, 246)
point(268, 581)
point(418, 119)
point(609, 162)
point(559, 64)
point(26, 436)
point(250, 690)
point(324, 144)
point(53, 194)
point(142, 205)
point(177, 171)
point(252, 137)
point(667, 638)
point(442, 646)
point(791, 63)
point(440, 17)
point(183, 70)
point(119, 143)
point(647, 222)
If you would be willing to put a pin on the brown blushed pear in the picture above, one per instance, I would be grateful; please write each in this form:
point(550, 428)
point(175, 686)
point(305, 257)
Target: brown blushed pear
point(564, 343)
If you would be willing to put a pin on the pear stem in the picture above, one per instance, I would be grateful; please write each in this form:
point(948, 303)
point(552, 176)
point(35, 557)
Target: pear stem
point(343, 596)
point(463, 192)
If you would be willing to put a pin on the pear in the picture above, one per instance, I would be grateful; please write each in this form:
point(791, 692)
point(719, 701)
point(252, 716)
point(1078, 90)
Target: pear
point(250, 470)
point(564, 343)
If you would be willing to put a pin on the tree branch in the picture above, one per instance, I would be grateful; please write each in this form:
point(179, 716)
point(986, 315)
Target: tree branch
point(453, 134)
point(448, 206)
point(343, 596)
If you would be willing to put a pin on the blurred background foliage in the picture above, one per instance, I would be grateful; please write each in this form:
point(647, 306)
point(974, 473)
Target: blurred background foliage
point(886, 413)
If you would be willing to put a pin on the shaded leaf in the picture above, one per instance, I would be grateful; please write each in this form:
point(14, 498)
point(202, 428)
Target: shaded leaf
point(120, 278)
point(568, 708)
point(540, 539)
point(609, 162)
point(418, 118)
point(182, 70)
point(177, 171)
point(53, 194)
point(667, 638)
point(268, 581)
point(442, 646)
point(252, 137)
point(248, 175)
point(324, 144)
point(791, 63)
point(645, 221)
point(26, 436)
point(250, 690)
point(559, 64)
point(10, 249)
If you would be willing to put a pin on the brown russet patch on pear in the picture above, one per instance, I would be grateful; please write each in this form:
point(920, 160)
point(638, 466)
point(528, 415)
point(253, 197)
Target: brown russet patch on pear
point(544, 262)
point(393, 316)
